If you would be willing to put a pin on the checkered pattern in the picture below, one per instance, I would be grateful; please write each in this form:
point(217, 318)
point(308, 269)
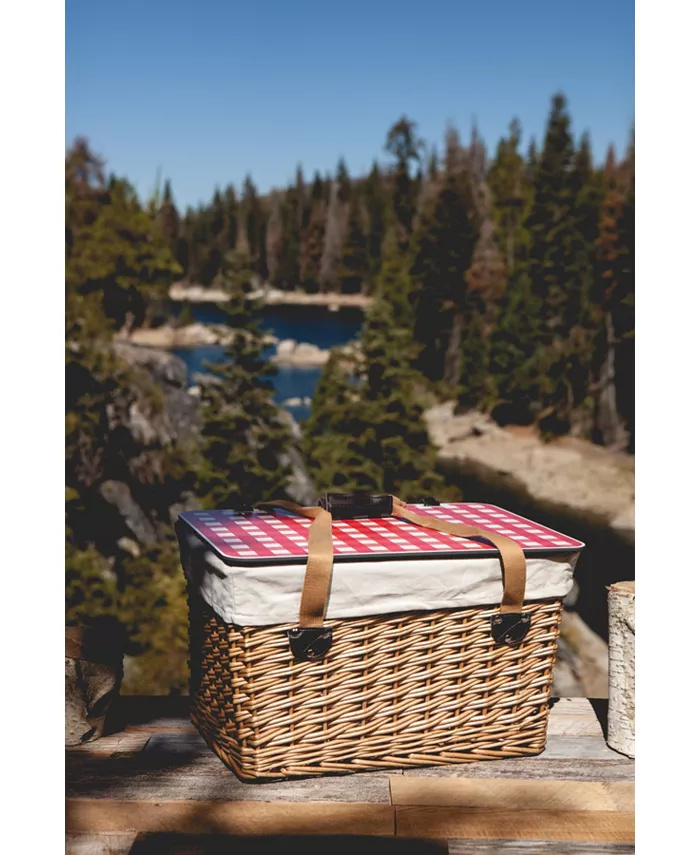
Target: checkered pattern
point(278, 535)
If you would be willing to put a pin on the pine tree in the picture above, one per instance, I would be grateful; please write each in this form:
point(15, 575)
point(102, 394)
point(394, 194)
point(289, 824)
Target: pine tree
point(244, 439)
point(336, 225)
point(217, 220)
point(404, 145)
point(113, 247)
point(624, 315)
point(445, 242)
point(214, 233)
point(252, 235)
point(560, 269)
point(519, 358)
point(199, 246)
point(231, 218)
point(169, 219)
point(302, 202)
point(182, 255)
point(331, 461)
point(550, 222)
point(313, 236)
point(376, 205)
point(287, 275)
point(589, 190)
point(395, 443)
point(354, 264)
point(614, 299)
point(368, 433)
point(511, 195)
point(342, 178)
point(532, 160)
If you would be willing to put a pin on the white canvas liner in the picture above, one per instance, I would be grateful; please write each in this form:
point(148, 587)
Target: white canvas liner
point(263, 595)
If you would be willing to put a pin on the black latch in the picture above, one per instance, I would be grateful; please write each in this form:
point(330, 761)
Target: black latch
point(311, 643)
point(350, 506)
point(509, 629)
point(429, 500)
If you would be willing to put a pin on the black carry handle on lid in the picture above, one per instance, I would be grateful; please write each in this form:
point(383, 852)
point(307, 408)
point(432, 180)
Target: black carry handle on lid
point(350, 506)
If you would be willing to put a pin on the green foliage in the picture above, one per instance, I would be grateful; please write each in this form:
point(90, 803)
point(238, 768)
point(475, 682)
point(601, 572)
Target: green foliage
point(558, 272)
point(613, 295)
point(113, 247)
point(253, 232)
point(445, 242)
point(117, 264)
point(91, 585)
point(376, 204)
point(312, 236)
point(511, 193)
point(243, 438)
point(518, 361)
point(144, 594)
point(152, 607)
point(554, 262)
point(94, 378)
point(288, 274)
point(507, 284)
point(395, 287)
point(403, 143)
point(366, 430)
point(354, 263)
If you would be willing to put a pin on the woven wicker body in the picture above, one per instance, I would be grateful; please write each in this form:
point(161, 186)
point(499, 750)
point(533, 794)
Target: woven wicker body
point(414, 689)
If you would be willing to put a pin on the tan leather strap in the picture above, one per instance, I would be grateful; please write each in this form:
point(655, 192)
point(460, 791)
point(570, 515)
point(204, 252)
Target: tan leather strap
point(511, 553)
point(319, 566)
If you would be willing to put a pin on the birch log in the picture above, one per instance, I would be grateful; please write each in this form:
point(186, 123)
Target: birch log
point(621, 673)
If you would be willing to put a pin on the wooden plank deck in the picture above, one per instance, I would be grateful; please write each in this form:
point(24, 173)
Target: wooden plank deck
point(154, 786)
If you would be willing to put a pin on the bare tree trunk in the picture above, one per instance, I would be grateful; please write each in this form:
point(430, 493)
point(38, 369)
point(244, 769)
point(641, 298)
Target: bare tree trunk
point(452, 356)
point(333, 242)
point(609, 424)
point(621, 668)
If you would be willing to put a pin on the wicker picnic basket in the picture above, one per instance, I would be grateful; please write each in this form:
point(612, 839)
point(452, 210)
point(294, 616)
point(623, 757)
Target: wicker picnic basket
point(364, 691)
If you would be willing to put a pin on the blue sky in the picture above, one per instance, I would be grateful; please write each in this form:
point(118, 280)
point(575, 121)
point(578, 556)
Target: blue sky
point(208, 90)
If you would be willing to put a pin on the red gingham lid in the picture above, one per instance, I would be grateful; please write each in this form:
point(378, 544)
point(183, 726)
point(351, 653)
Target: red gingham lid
point(276, 536)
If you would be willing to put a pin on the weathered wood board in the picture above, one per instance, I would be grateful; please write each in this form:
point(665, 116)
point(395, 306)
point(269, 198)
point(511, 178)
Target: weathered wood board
point(156, 787)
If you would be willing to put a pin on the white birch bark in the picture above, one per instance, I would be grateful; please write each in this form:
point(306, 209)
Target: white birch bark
point(621, 673)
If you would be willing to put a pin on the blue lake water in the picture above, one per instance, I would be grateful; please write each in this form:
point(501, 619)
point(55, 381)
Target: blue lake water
point(311, 324)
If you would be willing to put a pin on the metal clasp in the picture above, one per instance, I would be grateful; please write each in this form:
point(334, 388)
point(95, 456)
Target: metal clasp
point(310, 644)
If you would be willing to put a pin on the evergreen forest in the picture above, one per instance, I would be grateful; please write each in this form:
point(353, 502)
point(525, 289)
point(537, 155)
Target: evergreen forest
point(502, 280)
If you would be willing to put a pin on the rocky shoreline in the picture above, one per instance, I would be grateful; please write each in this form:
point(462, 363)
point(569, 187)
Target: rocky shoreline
point(288, 353)
point(571, 476)
point(299, 354)
point(169, 337)
point(182, 293)
point(570, 485)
